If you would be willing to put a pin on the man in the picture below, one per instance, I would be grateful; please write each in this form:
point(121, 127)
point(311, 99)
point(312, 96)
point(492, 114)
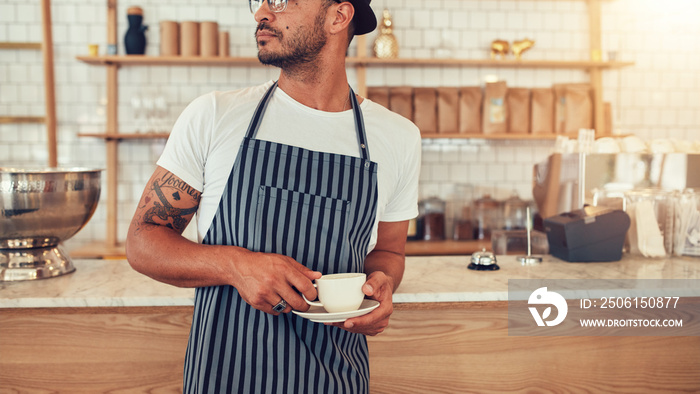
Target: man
point(285, 190)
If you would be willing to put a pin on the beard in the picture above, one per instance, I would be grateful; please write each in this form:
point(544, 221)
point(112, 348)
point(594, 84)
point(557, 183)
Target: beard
point(301, 47)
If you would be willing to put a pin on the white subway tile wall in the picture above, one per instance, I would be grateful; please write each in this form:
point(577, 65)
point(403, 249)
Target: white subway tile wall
point(658, 97)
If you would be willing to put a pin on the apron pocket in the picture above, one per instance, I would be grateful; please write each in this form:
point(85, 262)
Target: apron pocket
point(311, 229)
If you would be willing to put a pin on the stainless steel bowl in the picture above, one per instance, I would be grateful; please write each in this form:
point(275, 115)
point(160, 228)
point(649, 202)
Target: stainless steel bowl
point(39, 209)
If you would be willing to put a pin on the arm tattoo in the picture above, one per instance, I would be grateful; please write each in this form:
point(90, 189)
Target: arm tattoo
point(162, 211)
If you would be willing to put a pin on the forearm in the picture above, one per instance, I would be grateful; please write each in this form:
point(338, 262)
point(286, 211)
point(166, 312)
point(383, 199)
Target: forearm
point(388, 255)
point(156, 248)
point(392, 264)
point(166, 256)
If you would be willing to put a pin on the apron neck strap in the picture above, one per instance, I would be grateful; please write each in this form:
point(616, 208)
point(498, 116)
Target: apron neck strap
point(359, 125)
point(357, 113)
point(259, 112)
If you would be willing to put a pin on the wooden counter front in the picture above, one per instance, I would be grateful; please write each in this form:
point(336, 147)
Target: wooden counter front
point(465, 347)
point(93, 350)
point(447, 339)
point(428, 348)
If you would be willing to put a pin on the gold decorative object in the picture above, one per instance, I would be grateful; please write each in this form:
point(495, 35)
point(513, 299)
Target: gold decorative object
point(385, 45)
point(499, 47)
point(521, 46)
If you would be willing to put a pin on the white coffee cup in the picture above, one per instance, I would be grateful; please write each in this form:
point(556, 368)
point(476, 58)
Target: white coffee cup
point(339, 292)
point(606, 145)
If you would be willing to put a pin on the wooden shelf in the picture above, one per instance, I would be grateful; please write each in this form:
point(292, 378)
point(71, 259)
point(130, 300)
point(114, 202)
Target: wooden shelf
point(497, 136)
point(508, 63)
point(126, 136)
point(535, 137)
point(142, 60)
point(447, 247)
point(22, 119)
point(20, 45)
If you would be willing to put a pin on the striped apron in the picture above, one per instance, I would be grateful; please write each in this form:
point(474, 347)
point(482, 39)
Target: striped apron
point(316, 207)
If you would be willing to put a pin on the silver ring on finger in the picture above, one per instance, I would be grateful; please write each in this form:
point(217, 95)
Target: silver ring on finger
point(280, 306)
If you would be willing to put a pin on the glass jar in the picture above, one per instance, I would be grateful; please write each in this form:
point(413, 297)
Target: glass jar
point(651, 222)
point(433, 216)
point(515, 213)
point(486, 216)
point(686, 226)
point(462, 226)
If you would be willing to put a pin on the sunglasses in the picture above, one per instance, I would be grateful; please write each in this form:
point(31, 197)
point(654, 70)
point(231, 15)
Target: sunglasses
point(273, 5)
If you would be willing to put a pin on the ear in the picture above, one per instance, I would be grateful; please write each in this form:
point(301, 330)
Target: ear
point(342, 17)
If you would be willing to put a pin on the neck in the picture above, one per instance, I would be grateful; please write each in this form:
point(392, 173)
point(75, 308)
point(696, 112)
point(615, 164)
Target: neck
point(322, 85)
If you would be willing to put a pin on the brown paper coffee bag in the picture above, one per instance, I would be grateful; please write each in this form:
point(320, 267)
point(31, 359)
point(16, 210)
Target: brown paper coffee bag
point(401, 101)
point(542, 113)
point(518, 105)
point(578, 107)
point(425, 109)
point(494, 109)
point(448, 110)
point(379, 94)
point(561, 124)
point(470, 109)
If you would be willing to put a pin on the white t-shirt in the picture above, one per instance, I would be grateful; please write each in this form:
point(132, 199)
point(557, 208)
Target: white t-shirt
point(204, 143)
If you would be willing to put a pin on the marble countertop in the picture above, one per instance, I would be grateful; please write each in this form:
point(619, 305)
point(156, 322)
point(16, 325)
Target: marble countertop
point(113, 283)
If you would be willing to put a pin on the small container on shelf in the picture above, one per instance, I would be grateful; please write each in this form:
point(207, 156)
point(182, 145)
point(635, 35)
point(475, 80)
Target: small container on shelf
point(169, 38)
point(433, 218)
point(487, 216)
point(514, 213)
point(135, 37)
point(189, 38)
point(224, 50)
point(463, 227)
point(209, 39)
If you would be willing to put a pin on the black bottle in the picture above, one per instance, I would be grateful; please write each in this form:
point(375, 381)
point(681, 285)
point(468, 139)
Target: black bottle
point(135, 37)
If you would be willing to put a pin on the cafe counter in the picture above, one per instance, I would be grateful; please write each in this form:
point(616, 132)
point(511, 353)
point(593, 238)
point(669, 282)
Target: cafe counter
point(107, 328)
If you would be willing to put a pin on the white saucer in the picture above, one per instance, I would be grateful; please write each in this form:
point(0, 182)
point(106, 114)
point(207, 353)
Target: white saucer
point(319, 315)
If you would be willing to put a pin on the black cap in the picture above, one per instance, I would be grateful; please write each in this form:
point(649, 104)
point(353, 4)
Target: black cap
point(364, 18)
